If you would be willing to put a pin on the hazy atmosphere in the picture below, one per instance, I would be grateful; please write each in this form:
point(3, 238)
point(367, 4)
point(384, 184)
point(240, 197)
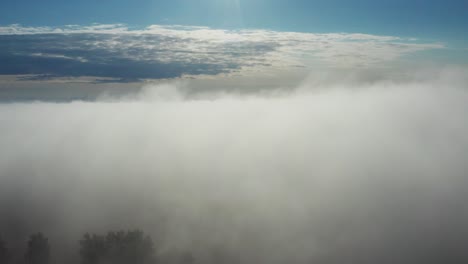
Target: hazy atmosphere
point(233, 132)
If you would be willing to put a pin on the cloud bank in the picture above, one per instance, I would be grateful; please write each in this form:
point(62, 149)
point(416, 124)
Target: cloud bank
point(159, 52)
point(351, 172)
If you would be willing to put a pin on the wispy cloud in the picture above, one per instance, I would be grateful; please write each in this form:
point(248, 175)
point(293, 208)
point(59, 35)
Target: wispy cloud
point(116, 50)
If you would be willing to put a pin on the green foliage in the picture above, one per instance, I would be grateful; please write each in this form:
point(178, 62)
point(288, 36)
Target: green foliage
point(38, 251)
point(131, 247)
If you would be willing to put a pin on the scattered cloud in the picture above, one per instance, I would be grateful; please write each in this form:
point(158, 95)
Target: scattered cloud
point(157, 51)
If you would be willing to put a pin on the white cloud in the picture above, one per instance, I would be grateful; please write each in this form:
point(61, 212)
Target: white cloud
point(58, 56)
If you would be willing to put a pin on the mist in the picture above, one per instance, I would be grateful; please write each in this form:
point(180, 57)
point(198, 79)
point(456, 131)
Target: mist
point(335, 170)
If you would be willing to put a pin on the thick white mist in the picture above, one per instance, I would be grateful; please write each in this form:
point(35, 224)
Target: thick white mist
point(351, 171)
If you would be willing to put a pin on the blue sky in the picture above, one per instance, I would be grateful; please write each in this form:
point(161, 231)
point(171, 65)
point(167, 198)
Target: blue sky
point(429, 19)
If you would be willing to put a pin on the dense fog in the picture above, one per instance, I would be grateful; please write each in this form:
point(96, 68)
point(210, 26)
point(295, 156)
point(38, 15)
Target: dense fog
point(341, 170)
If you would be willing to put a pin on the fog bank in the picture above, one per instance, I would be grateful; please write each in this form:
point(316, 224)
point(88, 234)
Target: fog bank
point(340, 171)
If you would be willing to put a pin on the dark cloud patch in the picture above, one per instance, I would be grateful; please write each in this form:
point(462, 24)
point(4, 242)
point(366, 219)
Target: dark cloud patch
point(59, 55)
point(158, 52)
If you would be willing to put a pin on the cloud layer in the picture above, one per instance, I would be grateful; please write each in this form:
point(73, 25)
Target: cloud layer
point(157, 51)
point(352, 172)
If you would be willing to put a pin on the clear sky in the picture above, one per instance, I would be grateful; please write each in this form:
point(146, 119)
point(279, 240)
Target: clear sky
point(430, 19)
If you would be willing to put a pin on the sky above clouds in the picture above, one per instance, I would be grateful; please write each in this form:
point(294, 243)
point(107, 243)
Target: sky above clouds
point(128, 41)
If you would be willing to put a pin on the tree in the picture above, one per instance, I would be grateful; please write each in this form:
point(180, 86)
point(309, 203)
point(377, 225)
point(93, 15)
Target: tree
point(4, 256)
point(92, 249)
point(131, 247)
point(38, 251)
